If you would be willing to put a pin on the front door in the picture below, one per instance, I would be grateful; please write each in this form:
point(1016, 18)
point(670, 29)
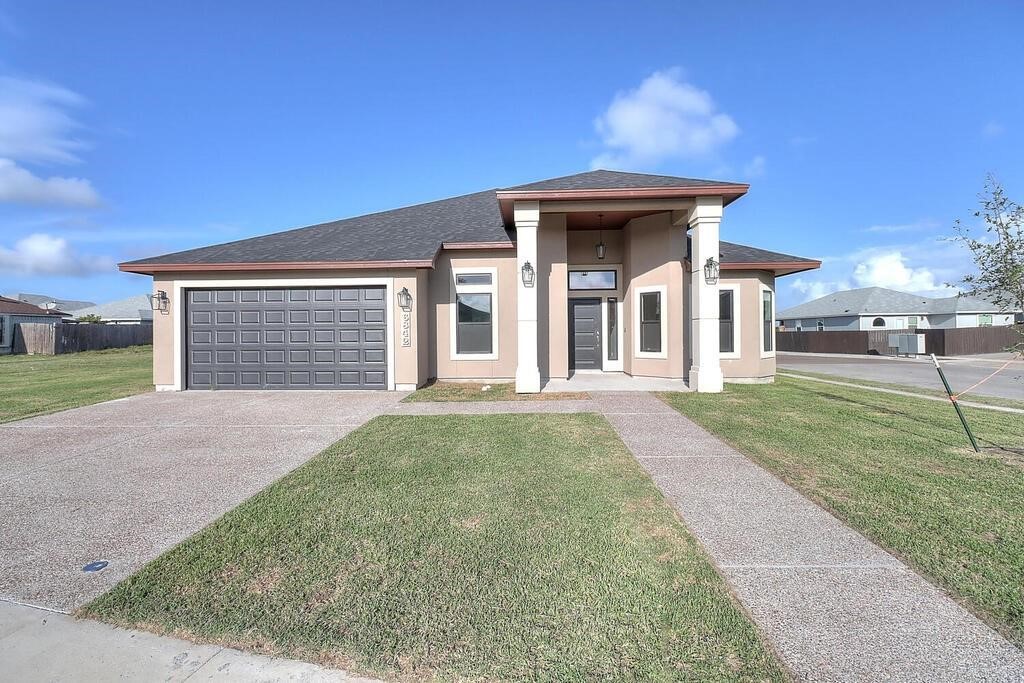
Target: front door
point(585, 334)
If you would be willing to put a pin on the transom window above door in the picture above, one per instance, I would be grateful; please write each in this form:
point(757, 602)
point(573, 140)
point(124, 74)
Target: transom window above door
point(592, 279)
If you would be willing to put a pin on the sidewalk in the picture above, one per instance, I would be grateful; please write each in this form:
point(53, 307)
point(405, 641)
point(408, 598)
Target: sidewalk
point(836, 606)
point(40, 645)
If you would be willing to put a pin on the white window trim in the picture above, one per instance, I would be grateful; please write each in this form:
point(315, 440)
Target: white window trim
point(603, 294)
point(663, 291)
point(760, 321)
point(737, 336)
point(178, 305)
point(453, 316)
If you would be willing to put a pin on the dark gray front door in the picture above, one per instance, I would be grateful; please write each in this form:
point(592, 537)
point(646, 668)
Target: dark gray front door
point(585, 333)
point(306, 338)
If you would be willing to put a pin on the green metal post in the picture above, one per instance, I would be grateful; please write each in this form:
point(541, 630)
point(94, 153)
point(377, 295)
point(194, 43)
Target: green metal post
point(956, 406)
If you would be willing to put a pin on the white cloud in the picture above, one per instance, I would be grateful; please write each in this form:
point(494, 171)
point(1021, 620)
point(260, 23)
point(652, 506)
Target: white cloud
point(755, 167)
point(34, 123)
point(903, 227)
point(42, 254)
point(992, 129)
point(919, 269)
point(664, 118)
point(21, 186)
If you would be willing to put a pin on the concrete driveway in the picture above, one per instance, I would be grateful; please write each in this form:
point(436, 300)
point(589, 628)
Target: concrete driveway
point(962, 371)
point(125, 480)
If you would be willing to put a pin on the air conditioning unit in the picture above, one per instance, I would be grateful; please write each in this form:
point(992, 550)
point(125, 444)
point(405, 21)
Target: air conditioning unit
point(907, 344)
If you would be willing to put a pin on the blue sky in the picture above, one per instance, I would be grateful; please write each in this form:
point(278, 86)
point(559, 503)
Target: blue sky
point(129, 129)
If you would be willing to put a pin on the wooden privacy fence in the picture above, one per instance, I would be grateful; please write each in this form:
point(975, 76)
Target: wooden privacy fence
point(962, 341)
point(47, 339)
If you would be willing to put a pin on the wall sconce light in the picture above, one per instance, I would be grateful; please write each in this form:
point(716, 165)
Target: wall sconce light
point(529, 275)
point(405, 299)
point(159, 301)
point(711, 271)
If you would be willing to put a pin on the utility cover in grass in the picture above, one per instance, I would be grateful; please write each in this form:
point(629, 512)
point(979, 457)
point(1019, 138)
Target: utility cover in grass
point(503, 547)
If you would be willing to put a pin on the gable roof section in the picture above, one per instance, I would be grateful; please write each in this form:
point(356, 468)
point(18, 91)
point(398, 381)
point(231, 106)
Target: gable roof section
point(42, 299)
point(133, 308)
point(412, 236)
point(882, 301)
point(14, 307)
point(733, 256)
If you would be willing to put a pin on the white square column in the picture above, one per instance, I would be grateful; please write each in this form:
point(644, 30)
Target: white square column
point(704, 220)
point(527, 218)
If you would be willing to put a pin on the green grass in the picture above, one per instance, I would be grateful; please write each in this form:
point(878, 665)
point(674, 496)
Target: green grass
point(901, 471)
point(36, 385)
point(499, 547)
point(470, 391)
point(972, 397)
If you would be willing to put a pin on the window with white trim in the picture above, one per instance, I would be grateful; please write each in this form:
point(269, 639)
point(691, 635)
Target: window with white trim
point(767, 318)
point(820, 325)
point(3, 330)
point(729, 320)
point(984, 320)
point(474, 328)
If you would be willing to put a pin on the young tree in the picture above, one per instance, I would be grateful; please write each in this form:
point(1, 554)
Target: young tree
point(998, 252)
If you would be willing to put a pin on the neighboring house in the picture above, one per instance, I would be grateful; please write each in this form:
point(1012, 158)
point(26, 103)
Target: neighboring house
point(13, 312)
point(131, 311)
point(591, 272)
point(69, 306)
point(877, 308)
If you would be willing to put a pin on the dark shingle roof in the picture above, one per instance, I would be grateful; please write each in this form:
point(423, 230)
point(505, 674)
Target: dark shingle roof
point(412, 233)
point(15, 307)
point(602, 180)
point(741, 253)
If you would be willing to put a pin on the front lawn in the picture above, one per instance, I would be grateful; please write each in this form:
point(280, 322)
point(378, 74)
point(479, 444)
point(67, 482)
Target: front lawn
point(901, 471)
point(498, 547)
point(471, 391)
point(36, 385)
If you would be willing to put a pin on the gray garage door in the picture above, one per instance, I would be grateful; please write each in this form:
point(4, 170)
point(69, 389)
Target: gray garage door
point(323, 338)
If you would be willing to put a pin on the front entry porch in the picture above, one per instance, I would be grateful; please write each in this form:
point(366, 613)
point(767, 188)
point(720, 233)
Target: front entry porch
point(613, 381)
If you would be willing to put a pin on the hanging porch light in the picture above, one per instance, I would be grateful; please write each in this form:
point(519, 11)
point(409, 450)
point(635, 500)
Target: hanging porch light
point(600, 247)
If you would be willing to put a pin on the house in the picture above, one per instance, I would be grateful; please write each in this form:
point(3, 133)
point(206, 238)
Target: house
point(13, 312)
point(131, 311)
point(878, 308)
point(69, 306)
point(594, 272)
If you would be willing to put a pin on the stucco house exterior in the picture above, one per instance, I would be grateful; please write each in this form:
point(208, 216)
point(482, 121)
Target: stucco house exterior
point(878, 308)
point(594, 272)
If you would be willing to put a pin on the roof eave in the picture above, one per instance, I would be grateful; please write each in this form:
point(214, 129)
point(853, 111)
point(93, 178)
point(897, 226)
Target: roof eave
point(778, 267)
point(729, 193)
point(151, 268)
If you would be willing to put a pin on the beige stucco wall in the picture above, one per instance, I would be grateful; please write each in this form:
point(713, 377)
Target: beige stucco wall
point(410, 362)
point(442, 308)
point(750, 365)
point(580, 247)
point(553, 297)
point(654, 253)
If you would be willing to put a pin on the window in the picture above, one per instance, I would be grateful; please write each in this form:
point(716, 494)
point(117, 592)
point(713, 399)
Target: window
point(473, 326)
point(767, 319)
point(473, 320)
point(3, 329)
point(912, 323)
point(613, 331)
point(984, 320)
point(592, 279)
point(878, 322)
point(650, 322)
point(821, 325)
point(726, 321)
point(473, 279)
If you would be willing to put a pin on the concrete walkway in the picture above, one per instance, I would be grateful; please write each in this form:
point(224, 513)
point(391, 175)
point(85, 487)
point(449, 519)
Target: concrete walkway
point(41, 645)
point(836, 606)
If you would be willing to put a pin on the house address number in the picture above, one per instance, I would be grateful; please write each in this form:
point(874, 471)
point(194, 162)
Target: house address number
point(406, 328)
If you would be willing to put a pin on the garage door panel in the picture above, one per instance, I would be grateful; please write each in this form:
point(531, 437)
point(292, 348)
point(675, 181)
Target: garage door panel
point(311, 338)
